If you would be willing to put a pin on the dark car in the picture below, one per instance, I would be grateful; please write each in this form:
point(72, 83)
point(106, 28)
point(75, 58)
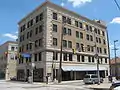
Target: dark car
point(114, 85)
point(13, 78)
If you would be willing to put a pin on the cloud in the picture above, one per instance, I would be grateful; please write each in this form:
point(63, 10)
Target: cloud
point(77, 3)
point(62, 4)
point(116, 20)
point(10, 36)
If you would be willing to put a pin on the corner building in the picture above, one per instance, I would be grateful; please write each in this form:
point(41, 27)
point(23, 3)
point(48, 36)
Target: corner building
point(43, 27)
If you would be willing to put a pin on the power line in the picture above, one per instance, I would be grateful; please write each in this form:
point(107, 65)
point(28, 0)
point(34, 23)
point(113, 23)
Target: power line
point(117, 4)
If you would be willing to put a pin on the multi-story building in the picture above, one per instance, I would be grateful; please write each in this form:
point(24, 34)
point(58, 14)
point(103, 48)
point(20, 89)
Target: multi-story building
point(115, 67)
point(43, 27)
point(8, 59)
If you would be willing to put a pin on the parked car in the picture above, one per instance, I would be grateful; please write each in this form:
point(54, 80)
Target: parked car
point(13, 78)
point(115, 85)
point(92, 79)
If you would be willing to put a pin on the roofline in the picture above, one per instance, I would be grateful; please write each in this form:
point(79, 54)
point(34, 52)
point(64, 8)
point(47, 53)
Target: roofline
point(7, 42)
point(33, 11)
point(48, 2)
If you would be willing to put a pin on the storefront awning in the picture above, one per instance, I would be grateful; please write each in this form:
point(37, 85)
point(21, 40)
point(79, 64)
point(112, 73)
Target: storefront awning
point(82, 68)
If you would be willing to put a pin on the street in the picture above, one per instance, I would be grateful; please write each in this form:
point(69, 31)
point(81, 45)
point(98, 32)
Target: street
point(8, 85)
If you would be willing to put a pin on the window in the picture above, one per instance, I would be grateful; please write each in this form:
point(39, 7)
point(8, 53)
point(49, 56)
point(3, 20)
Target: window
point(76, 23)
point(69, 21)
point(78, 58)
point(93, 59)
point(64, 19)
point(27, 47)
point(40, 42)
point(82, 58)
point(69, 44)
point(64, 43)
point(91, 38)
point(55, 41)
point(88, 47)
point(12, 56)
point(31, 33)
point(101, 60)
point(69, 31)
point(30, 46)
point(12, 48)
point(36, 43)
point(39, 17)
point(87, 27)
point(65, 56)
point(36, 30)
point(27, 35)
point(40, 56)
point(64, 31)
point(90, 27)
point(40, 28)
point(70, 57)
point(54, 27)
point(27, 59)
point(92, 49)
point(105, 51)
point(95, 30)
point(77, 46)
point(104, 42)
point(99, 40)
point(81, 26)
point(81, 35)
point(35, 57)
point(105, 60)
point(98, 31)
point(100, 50)
point(22, 28)
point(103, 33)
point(54, 15)
point(77, 34)
point(55, 56)
point(89, 59)
point(87, 36)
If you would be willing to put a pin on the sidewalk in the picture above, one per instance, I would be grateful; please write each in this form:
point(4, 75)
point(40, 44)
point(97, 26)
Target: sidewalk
point(102, 86)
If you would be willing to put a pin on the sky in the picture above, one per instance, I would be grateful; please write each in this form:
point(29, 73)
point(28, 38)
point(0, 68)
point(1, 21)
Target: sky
point(12, 11)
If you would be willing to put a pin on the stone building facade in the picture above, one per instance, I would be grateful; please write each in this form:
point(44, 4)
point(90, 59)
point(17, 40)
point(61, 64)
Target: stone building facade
point(43, 27)
point(8, 59)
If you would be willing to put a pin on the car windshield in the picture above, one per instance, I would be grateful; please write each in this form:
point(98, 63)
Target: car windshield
point(93, 76)
point(87, 76)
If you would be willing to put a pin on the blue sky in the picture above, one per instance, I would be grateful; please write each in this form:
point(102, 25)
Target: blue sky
point(12, 11)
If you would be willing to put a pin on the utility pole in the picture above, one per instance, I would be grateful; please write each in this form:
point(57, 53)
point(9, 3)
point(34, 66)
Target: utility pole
point(97, 59)
point(115, 56)
point(60, 64)
point(109, 53)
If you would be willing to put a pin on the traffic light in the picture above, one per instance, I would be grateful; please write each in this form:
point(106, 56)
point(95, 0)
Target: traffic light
point(19, 55)
point(74, 50)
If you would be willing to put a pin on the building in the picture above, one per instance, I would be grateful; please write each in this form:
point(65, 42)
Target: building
point(8, 52)
point(115, 67)
point(43, 27)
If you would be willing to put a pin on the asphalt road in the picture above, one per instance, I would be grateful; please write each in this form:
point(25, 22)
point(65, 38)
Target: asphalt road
point(25, 86)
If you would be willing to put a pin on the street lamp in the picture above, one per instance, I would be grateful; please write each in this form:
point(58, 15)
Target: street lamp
point(115, 57)
point(32, 62)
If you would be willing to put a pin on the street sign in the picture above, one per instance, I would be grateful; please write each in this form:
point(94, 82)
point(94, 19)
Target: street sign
point(26, 55)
